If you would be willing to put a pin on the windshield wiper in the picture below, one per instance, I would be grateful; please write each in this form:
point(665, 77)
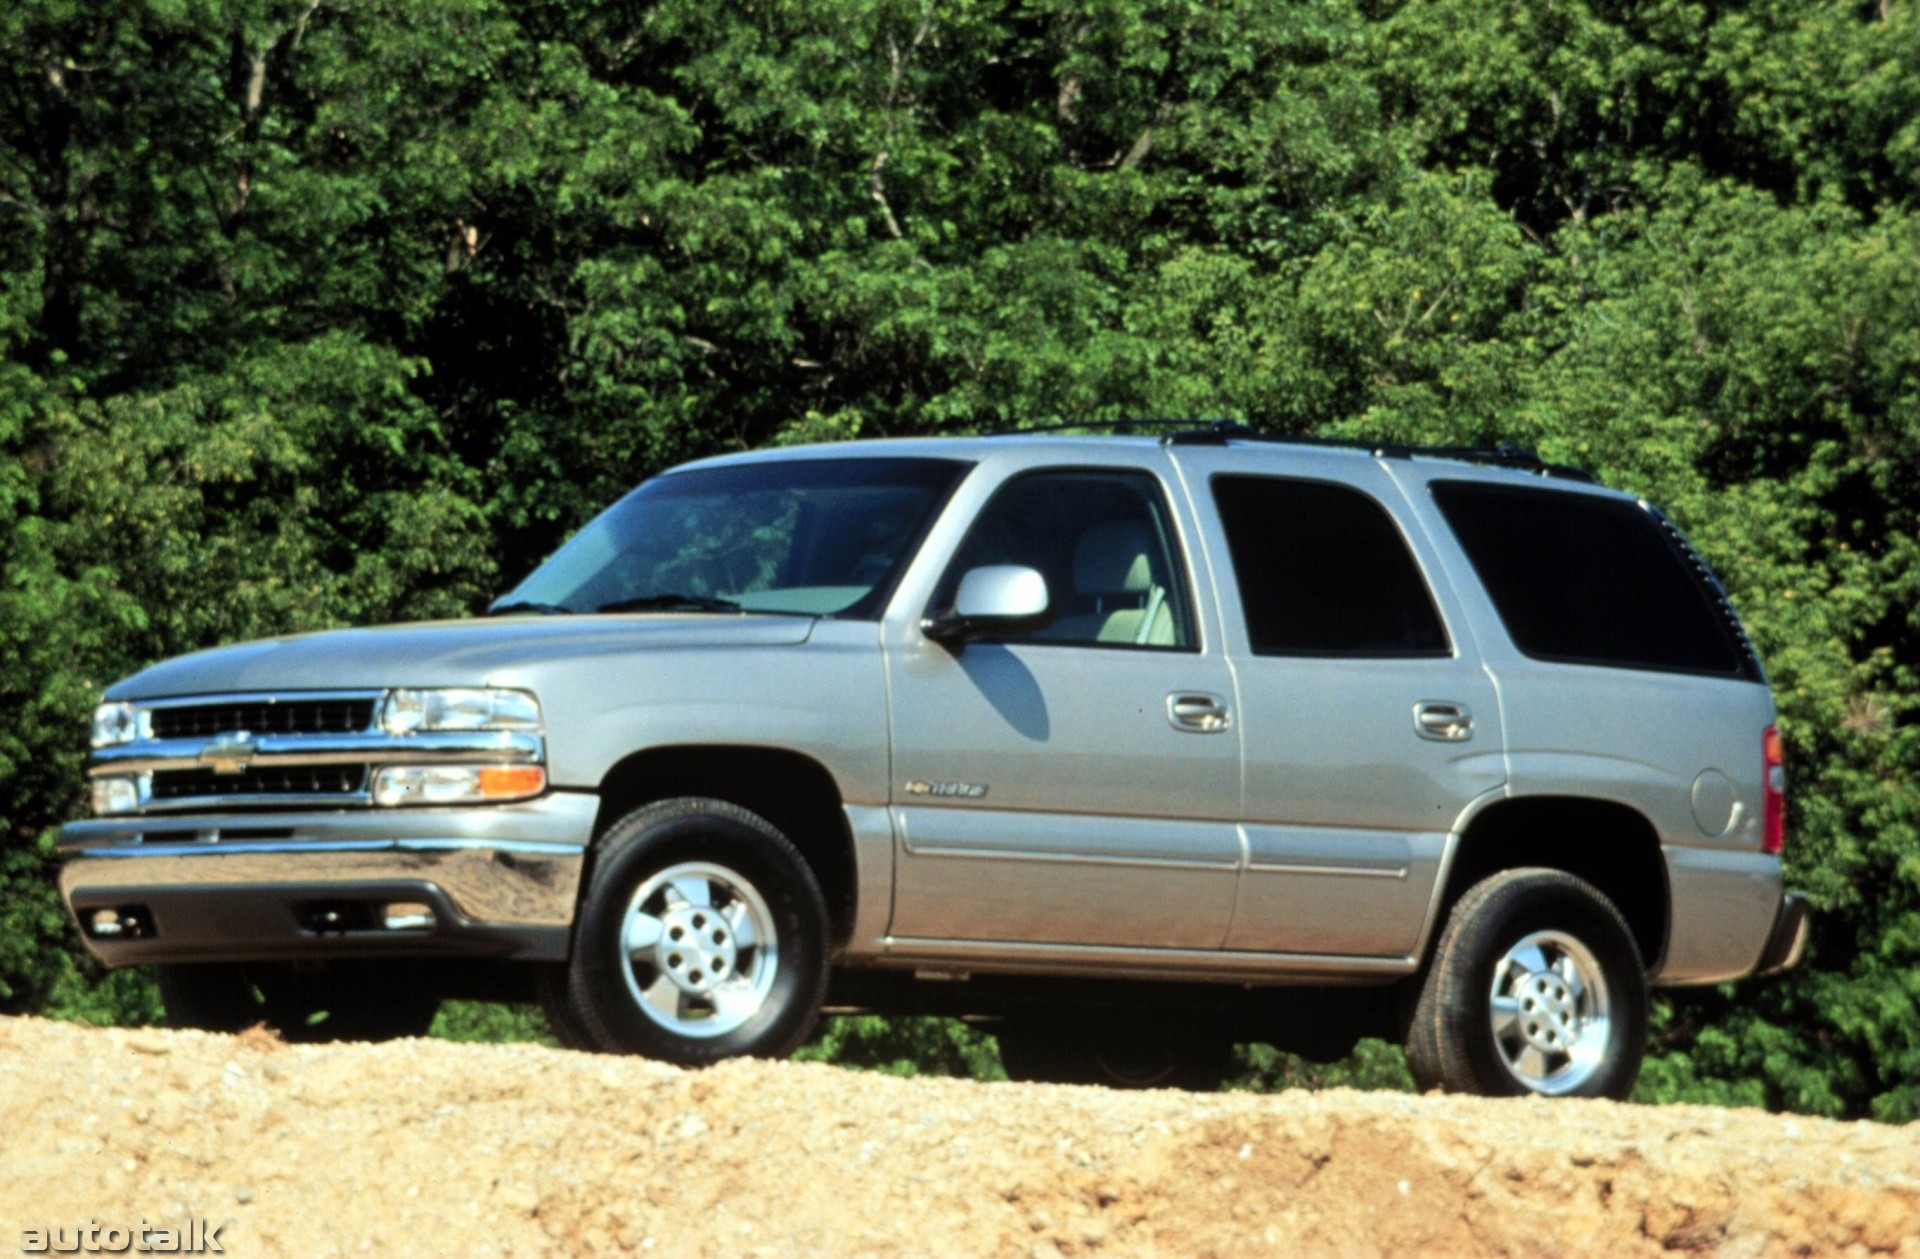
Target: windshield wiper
point(528, 605)
point(671, 603)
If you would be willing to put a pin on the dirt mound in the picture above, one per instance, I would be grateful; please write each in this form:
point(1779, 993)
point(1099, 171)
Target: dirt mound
point(425, 1147)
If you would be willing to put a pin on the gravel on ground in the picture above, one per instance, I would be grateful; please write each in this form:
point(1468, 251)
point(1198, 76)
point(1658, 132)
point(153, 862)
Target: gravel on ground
point(433, 1148)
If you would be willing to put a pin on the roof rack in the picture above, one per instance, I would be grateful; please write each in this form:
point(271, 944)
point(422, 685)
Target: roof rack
point(1220, 432)
point(1116, 426)
point(1504, 455)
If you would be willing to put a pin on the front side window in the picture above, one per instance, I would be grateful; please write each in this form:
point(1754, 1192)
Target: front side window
point(1587, 579)
point(1104, 542)
point(819, 537)
point(1323, 571)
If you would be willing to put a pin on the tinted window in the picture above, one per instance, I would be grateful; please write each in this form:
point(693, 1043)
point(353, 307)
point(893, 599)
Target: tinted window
point(1590, 580)
point(820, 537)
point(1323, 571)
point(1104, 543)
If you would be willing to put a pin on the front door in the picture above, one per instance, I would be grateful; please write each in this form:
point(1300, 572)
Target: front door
point(1077, 785)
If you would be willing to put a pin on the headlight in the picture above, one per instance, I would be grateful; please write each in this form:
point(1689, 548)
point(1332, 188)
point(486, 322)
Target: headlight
point(115, 795)
point(457, 784)
point(411, 712)
point(113, 724)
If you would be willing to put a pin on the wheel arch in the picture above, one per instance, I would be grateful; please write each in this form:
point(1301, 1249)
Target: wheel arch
point(1610, 845)
point(790, 789)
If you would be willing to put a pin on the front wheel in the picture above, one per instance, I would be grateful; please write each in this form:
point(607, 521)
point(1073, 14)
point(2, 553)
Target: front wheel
point(703, 935)
point(1537, 987)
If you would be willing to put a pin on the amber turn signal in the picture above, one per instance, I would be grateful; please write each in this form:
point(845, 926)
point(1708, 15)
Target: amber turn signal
point(512, 782)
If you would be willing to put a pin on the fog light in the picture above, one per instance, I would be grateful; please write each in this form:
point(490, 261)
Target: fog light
point(456, 784)
point(407, 916)
point(336, 917)
point(115, 795)
point(128, 922)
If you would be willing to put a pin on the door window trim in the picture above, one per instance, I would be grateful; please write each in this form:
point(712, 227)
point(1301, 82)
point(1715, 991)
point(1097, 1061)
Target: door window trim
point(1177, 555)
point(1746, 665)
point(1449, 650)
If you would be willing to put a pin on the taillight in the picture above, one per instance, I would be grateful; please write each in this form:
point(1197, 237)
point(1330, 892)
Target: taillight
point(1773, 836)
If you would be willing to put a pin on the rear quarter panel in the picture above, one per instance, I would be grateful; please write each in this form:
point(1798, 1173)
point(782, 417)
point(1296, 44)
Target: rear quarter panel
point(1681, 749)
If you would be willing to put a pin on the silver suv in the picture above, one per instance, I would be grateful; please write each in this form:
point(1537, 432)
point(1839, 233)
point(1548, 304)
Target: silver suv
point(1129, 748)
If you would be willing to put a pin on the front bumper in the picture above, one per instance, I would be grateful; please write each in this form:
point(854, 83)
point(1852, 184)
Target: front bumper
point(499, 882)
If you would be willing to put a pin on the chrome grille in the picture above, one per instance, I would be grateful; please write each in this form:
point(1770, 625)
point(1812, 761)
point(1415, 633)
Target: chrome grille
point(224, 752)
point(288, 716)
point(291, 780)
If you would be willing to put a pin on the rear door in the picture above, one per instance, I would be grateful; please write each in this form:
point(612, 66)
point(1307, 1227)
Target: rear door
point(1368, 724)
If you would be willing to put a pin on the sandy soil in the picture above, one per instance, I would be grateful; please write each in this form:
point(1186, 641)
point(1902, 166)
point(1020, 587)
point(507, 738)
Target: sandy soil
point(426, 1147)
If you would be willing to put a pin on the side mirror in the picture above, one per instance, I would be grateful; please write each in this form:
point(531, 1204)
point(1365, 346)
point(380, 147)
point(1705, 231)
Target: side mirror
point(1000, 598)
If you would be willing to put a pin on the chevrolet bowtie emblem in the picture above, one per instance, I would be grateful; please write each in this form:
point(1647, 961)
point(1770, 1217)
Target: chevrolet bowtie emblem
point(230, 753)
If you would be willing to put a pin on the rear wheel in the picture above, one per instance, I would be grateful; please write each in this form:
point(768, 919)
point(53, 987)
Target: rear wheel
point(703, 936)
point(1125, 1057)
point(1536, 986)
point(343, 1003)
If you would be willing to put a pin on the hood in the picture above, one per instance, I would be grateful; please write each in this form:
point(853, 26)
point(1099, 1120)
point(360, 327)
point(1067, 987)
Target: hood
point(445, 653)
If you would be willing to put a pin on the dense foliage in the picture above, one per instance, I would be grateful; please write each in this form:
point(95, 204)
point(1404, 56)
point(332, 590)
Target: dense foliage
point(315, 312)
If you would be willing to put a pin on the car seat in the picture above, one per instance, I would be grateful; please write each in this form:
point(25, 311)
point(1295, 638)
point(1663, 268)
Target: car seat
point(1113, 565)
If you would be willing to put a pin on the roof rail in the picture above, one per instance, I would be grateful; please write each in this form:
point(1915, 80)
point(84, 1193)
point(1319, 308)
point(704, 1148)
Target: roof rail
point(1220, 432)
point(1116, 426)
point(1504, 455)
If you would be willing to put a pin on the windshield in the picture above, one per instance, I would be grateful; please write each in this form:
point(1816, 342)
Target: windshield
point(820, 537)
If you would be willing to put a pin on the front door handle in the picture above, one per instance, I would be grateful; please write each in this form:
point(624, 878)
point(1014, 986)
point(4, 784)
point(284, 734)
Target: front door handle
point(1196, 712)
point(1442, 720)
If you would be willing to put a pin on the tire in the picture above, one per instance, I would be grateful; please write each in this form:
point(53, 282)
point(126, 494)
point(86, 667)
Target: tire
point(550, 986)
point(636, 983)
point(1121, 1057)
point(1536, 987)
point(358, 1003)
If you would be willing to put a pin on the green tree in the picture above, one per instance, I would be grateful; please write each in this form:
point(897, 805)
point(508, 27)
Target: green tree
point(315, 313)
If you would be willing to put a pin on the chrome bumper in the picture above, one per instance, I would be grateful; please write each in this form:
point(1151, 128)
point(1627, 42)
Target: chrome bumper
point(498, 882)
point(1787, 943)
point(1725, 904)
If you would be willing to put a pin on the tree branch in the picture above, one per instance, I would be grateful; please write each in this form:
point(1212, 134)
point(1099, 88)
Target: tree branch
point(1429, 311)
point(300, 27)
point(877, 189)
point(28, 206)
point(253, 108)
point(896, 73)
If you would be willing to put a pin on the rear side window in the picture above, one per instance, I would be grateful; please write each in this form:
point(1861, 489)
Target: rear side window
point(1323, 571)
point(1590, 580)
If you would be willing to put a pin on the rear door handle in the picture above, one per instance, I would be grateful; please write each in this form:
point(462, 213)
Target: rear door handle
point(1442, 720)
point(1196, 712)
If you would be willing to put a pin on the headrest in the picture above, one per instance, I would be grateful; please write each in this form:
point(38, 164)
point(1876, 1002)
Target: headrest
point(1112, 559)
